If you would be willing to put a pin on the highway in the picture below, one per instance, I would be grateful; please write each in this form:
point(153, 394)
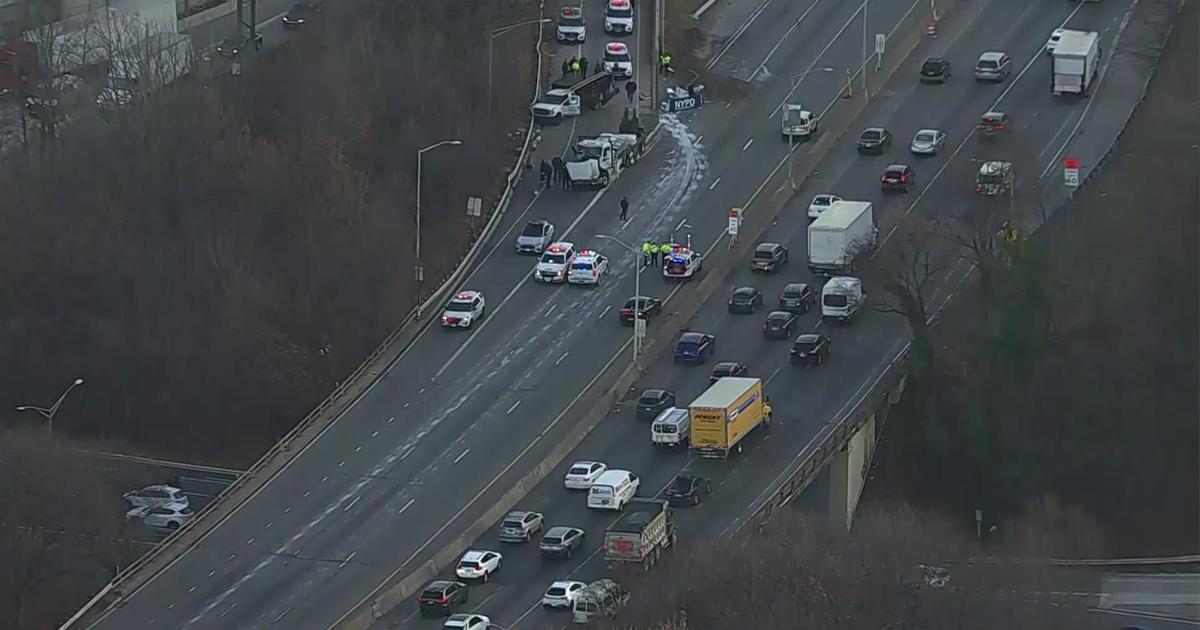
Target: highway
point(806, 400)
point(462, 414)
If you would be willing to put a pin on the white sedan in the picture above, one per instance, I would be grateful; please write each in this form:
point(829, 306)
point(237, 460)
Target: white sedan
point(583, 474)
point(169, 516)
point(927, 142)
point(151, 496)
point(478, 565)
point(466, 621)
point(562, 594)
point(821, 203)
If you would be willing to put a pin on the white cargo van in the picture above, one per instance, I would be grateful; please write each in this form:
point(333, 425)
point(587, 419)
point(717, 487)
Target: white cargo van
point(1076, 63)
point(612, 490)
point(672, 427)
point(842, 297)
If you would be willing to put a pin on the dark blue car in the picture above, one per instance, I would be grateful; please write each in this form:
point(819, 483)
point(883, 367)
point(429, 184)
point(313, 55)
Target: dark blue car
point(694, 347)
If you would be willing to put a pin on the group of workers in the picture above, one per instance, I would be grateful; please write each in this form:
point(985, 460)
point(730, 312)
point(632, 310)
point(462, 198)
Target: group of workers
point(576, 66)
point(651, 252)
point(555, 172)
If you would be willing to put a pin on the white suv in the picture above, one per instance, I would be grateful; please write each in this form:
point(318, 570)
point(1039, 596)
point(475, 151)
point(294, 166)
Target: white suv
point(152, 496)
point(554, 263)
point(478, 565)
point(618, 17)
point(589, 267)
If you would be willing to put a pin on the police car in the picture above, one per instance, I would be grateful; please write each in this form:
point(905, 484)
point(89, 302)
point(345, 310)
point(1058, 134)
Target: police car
point(554, 263)
point(571, 26)
point(618, 17)
point(681, 263)
point(588, 268)
point(463, 310)
point(617, 60)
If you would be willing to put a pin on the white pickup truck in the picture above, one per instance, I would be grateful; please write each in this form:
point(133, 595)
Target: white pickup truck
point(600, 159)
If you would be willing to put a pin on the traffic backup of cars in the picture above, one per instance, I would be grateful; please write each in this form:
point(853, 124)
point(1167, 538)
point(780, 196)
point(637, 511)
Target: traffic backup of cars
point(734, 405)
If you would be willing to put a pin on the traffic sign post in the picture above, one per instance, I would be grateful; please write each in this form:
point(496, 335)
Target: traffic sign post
point(1071, 172)
point(735, 220)
point(880, 45)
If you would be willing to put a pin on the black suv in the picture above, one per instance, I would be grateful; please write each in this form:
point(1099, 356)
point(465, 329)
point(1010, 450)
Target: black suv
point(780, 325)
point(935, 70)
point(769, 257)
point(810, 349)
point(797, 297)
point(745, 300)
point(653, 402)
point(441, 597)
point(874, 140)
point(687, 489)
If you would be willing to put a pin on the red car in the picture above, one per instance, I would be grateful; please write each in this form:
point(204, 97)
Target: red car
point(897, 177)
point(647, 308)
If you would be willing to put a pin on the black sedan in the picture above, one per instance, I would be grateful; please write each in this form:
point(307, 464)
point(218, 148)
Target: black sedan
point(653, 402)
point(797, 297)
point(687, 490)
point(769, 257)
point(935, 70)
point(693, 347)
point(647, 307)
point(300, 12)
point(561, 541)
point(727, 368)
point(780, 325)
point(810, 349)
point(874, 140)
point(745, 300)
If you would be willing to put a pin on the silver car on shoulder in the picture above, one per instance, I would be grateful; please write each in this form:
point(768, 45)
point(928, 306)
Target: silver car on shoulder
point(536, 236)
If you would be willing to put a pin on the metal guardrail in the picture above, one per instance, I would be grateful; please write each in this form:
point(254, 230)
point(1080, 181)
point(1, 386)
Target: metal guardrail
point(350, 384)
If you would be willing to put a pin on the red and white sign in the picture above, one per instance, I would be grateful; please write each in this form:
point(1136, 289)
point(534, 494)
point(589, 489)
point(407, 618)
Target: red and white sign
point(735, 219)
point(1071, 172)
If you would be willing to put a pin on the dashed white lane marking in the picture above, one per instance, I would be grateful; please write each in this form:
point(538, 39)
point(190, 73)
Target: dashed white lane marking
point(358, 448)
point(348, 559)
point(351, 504)
point(393, 418)
point(407, 505)
point(513, 407)
point(748, 143)
point(461, 455)
point(281, 615)
point(560, 359)
point(714, 184)
point(228, 610)
point(550, 310)
point(375, 434)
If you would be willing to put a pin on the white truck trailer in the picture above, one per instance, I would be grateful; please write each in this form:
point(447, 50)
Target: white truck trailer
point(1075, 63)
point(839, 236)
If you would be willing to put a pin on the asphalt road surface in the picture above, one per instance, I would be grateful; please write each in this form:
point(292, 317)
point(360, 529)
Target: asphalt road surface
point(463, 414)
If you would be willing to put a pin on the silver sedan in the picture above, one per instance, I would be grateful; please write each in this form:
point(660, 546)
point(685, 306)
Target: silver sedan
point(927, 142)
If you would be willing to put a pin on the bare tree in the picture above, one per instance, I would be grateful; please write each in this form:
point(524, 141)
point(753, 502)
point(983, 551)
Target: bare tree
point(56, 516)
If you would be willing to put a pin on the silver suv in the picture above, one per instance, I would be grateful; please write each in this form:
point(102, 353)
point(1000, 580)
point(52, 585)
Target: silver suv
point(993, 66)
point(520, 526)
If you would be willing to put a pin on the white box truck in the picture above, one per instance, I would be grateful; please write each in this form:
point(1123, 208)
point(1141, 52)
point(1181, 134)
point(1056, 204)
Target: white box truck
point(839, 235)
point(1075, 63)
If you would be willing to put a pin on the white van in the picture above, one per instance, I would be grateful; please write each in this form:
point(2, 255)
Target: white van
point(672, 427)
point(842, 297)
point(612, 490)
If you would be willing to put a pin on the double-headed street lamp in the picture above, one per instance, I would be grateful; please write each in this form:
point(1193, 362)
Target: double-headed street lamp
point(501, 31)
point(418, 270)
point(796, 79)
point(638, 331)
point(48, 412)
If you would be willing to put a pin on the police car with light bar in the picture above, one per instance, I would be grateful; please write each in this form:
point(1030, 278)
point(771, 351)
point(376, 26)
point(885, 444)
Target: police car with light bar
point(463, 310)
point(617, 60)
point(618, 17)
point(588, 268)
point(681, 263)
point(554, 263)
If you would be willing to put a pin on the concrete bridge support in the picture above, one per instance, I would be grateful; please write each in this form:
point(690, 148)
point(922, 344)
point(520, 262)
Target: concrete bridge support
point(848, 475)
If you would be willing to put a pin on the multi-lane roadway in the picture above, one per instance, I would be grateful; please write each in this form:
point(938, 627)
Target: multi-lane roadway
point(461, 415)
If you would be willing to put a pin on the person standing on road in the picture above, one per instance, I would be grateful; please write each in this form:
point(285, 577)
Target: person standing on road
point(664, 62)
point(575, 66)
point(624, 209)
point(647, 253)
point(566, 67)
point(567, 184)
point(546, 172)
point(583, 66)
point(665, 250)
point(630, 90)
point(557, 170)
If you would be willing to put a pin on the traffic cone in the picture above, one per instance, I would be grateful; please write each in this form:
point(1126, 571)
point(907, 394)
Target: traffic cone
point(931, 30)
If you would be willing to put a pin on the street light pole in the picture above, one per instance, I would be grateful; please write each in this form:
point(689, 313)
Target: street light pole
point(418, 270)
point(866, 95)
point(498, 32)
point(637, 290)
point(791, 137)
point(48, 413)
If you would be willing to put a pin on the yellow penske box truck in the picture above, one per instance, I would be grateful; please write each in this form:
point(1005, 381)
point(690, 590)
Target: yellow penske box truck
point(725, 413)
